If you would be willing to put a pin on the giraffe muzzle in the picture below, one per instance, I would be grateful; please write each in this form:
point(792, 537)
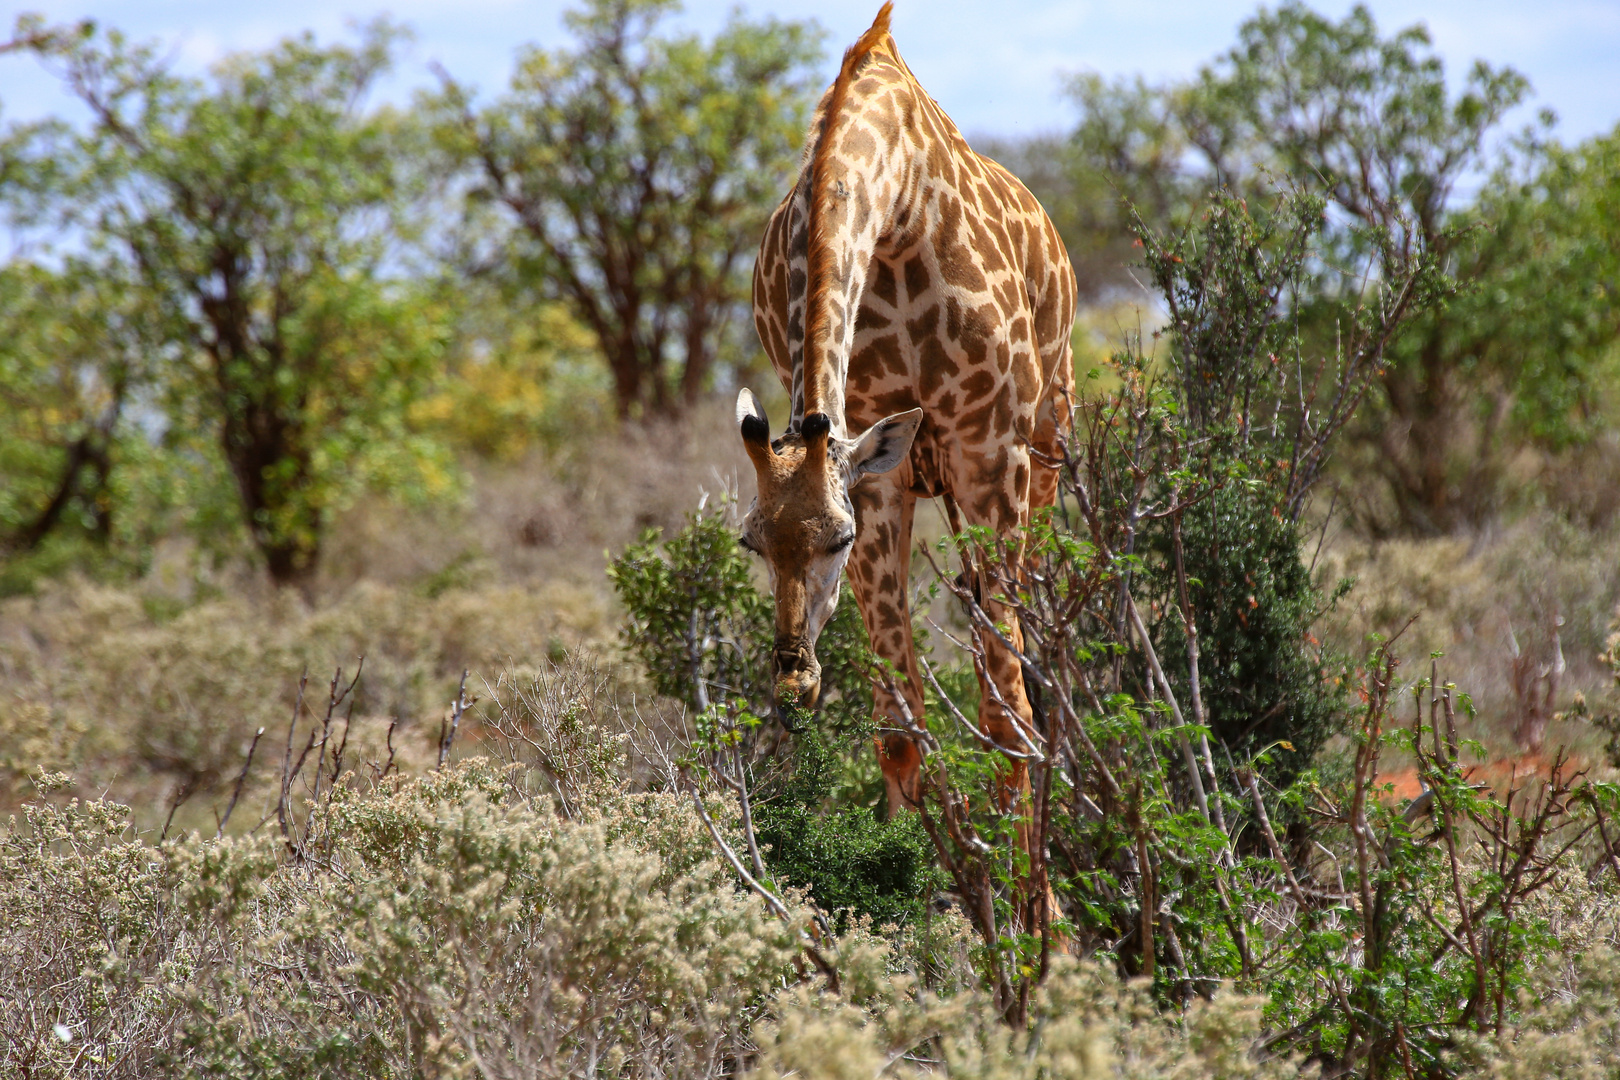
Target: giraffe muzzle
point(798, 681)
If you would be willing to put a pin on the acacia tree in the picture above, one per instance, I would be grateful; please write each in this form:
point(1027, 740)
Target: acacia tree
point(1370, 122)
point(638, 171)
point(72, 350)
point(254, 212)
point(1544, 317)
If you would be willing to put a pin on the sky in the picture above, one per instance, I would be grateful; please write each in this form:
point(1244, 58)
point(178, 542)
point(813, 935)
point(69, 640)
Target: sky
point(997, 66)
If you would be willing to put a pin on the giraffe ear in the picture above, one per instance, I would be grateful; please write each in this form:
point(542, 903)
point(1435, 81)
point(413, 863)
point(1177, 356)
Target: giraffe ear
point(885, 444)
point(756, 428)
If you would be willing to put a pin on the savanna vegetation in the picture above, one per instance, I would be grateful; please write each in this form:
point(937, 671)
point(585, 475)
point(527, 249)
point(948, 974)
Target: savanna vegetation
point(383, 691)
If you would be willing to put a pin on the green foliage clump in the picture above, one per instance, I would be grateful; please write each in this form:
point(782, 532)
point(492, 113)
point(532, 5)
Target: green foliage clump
point(1239, 365)
point(703, 633)
point(1543, 316)
point(850, 861)
point(693, 616)
point(1264, 679)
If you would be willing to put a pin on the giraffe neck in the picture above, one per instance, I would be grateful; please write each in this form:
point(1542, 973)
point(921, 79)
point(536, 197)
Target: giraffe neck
point(854, 226)
point(853, 193)
point(885, 166)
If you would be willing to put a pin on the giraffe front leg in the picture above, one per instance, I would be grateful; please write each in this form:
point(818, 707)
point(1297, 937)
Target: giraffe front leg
point(879, 571)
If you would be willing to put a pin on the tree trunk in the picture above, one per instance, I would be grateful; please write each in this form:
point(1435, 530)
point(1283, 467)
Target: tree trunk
point(91, 451)
point(699, 356)
point(1442, 465)
point(255, 442)
point(291, 565)
point(33, 534)
point(626, 367)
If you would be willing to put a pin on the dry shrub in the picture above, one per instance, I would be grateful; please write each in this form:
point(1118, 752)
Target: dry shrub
point(1583, 916)
point(546, 917)
point(90, 943)
point(551, 516)
point(1500, 604)
point(547, 720)
point(1085, 1023)
point(446, 929)
point(1583, 483)
point(449, 929)
point(151, 692)
point(1573, 1033)
point(161, 708)
point(489, 937)
point(32, 739)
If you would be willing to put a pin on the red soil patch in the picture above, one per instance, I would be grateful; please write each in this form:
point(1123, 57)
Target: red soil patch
point(1500, 775)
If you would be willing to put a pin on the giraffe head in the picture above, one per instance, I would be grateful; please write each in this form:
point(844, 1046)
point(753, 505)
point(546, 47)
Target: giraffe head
point(803, 524)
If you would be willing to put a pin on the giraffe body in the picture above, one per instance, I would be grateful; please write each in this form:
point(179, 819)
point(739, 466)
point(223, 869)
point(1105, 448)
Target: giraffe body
point(905, 285)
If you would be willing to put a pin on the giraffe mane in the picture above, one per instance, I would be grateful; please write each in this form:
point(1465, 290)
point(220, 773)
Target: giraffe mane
point(820, 274)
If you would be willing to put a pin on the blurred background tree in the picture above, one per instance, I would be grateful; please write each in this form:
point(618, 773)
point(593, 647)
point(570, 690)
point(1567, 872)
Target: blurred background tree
point(255, 214)
point(1533, 342)
point(72, 350)
point(517, 376)
point(637, 173)
point(1370, 122)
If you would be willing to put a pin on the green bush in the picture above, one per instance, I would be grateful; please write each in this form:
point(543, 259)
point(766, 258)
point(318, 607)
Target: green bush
point(1244, 386)
point(693, 616)
point(847, 859)
point(695, 621)
point(1263, 676)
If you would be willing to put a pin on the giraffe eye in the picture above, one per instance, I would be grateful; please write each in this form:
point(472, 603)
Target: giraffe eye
point(841, 543)
point(742, 542)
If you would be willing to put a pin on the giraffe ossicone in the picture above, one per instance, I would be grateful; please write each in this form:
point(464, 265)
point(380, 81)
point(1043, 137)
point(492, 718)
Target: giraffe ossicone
point(914, 292)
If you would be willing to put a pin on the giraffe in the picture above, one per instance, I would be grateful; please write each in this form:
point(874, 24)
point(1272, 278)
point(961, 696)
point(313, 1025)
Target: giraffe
point(917, 303)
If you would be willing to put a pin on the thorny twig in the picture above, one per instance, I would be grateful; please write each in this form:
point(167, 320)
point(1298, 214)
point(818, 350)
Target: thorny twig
point(449, 726)
point(241, 779)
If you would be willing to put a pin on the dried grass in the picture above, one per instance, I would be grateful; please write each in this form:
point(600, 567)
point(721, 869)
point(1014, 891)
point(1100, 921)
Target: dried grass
point(551, 517)
point(150, 709)
point(1487, 600)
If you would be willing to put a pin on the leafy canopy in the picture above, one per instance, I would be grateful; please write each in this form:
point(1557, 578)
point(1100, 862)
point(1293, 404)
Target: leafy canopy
point(1415, 171)
point(636, 173)
point(256, 214)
